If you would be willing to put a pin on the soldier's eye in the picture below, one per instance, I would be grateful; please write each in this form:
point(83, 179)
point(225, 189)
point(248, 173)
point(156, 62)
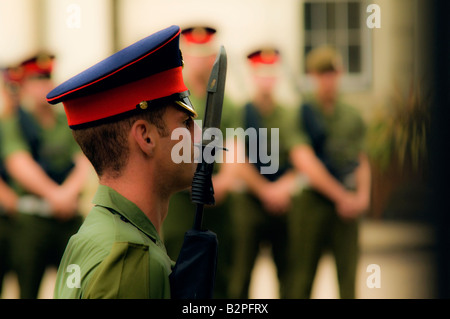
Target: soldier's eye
point(188, 122)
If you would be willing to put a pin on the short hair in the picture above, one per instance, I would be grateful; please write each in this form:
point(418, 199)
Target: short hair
point(106, 145)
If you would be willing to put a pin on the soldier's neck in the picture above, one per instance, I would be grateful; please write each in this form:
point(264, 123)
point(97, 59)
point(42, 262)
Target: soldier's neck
point(142, 193)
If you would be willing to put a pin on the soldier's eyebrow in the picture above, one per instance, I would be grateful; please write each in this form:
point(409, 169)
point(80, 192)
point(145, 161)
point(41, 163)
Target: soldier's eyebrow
point(188, 119)
point(184, 115)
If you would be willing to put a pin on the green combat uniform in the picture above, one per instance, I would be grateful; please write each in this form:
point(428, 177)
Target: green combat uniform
point(253, 225)
point(117, 253)
point(216, 218)
point(39, 241)
point(315, 226)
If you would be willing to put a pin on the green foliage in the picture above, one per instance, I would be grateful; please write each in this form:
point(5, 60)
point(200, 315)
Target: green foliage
point(399, 131)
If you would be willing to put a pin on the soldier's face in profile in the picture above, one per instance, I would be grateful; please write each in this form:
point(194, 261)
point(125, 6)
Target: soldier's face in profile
point(178, 175)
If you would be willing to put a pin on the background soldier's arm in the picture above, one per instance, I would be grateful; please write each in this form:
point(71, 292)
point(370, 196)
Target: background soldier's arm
point(33, 178)
point(363, 181)
point(304, 159)
point(8, 198)
point(23, 168)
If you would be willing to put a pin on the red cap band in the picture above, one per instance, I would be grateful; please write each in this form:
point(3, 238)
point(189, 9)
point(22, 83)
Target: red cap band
point(262, 58)
point(124, 98)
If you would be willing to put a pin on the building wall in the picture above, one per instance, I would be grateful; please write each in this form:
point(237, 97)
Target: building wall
point(80, 33)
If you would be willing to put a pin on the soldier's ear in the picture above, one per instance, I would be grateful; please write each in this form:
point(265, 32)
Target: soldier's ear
point(143, 133)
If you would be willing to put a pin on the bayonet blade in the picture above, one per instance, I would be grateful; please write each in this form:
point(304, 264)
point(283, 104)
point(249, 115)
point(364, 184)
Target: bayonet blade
point(215, 93)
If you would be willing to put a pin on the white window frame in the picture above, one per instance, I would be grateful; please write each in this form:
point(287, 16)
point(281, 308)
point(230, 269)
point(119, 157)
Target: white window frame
point(350, 81)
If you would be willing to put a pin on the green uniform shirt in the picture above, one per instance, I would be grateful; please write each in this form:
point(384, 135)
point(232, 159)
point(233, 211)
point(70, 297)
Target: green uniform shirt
point(57, 145)
point(345, 133)
point(281, 118)
point(117, 252)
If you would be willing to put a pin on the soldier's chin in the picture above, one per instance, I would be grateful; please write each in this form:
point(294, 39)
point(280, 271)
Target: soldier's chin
point(186, 181)
point(183, 188)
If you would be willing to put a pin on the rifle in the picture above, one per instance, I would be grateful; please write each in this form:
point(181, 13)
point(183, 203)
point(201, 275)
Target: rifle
point(194, 273)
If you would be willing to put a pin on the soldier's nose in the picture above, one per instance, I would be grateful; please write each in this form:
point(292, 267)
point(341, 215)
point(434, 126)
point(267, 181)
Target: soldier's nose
point(197, 133)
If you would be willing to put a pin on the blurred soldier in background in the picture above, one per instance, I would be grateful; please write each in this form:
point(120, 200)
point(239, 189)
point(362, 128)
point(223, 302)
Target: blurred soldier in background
point(332, 157)
point(259, 208)
point(48, 169)
point(199, 47)
point(8, 198)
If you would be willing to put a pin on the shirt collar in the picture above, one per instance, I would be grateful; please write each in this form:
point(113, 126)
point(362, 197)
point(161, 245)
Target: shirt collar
point(109, 198)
